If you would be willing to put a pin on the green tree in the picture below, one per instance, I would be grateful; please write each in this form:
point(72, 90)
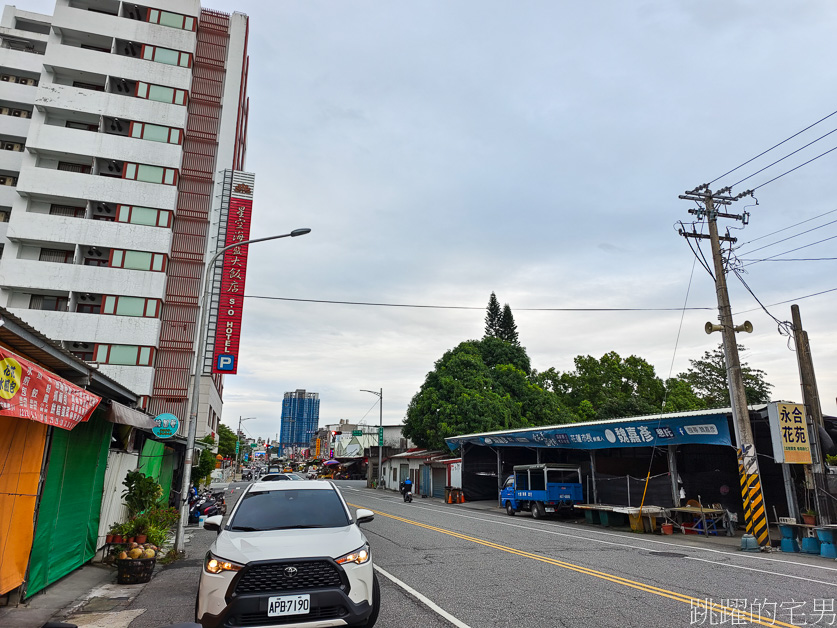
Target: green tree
point(708, 378)
point(508, 329)
point(206, 462)
point(478, 386)
point(492, 317)
point(226, 441)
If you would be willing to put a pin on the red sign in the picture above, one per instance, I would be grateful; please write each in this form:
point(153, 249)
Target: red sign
point(228, 330)
point(28, 391)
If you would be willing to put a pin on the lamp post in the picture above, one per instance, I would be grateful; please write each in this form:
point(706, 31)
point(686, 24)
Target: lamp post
point(380, 396)
point(238, 442)
point(196, 377)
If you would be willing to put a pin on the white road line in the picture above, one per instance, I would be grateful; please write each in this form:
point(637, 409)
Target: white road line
point(424, 600)
point(622, 543)
point(772, 573)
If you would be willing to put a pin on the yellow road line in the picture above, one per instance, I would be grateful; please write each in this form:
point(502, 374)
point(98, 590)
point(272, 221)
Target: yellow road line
point(648, 588)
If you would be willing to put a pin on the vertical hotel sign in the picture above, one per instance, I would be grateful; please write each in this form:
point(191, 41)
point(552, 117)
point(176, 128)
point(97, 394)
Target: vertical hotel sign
point(789, 433)
point(234, 270)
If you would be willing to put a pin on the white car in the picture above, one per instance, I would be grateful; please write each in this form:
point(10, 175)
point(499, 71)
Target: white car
point(290, 555)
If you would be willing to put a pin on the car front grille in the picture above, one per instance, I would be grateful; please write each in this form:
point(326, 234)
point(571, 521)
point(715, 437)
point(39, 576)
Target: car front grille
point(316, 614)
point(274, 576)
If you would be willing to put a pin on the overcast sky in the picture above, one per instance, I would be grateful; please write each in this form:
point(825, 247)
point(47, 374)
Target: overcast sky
point(441, 150)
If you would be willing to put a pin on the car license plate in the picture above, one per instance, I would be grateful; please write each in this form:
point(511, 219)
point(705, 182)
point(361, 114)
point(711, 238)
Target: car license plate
point(549, 509)
point(288, 605)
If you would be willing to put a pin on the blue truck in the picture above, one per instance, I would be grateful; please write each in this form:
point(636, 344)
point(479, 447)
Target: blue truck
point(541, 488)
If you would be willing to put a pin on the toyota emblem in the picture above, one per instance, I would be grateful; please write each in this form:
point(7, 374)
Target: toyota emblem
point(290, 572)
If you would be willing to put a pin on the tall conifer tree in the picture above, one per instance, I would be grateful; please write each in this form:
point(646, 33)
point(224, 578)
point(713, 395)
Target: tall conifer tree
point(508, 329)
point(492, 317)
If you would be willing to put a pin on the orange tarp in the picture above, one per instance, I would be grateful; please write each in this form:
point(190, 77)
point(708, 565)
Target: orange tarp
point(21, 453)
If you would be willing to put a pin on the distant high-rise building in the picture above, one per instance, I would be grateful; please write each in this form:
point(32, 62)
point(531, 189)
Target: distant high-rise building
point(116, 119)
point(300, 418)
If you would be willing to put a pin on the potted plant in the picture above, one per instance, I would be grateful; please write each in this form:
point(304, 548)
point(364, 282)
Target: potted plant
point(117, 530)
point(140, 528)
point(809, 517)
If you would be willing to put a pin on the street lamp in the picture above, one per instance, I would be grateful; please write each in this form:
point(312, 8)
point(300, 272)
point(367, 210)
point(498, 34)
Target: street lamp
point(380, 396)
point(196, 376)
point(238, 441)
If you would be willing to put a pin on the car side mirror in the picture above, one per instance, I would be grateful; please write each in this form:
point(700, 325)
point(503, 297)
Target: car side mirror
point(362, 515)
point(213, 523)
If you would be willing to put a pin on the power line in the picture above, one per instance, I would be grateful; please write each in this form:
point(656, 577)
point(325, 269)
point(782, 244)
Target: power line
point(792, 169)
point(471, 307)
point(790, 237)
point(772, 147)
point(804, 246)
point(791, 259)
point(807, 296)
point(796, 224)
point(783, 158)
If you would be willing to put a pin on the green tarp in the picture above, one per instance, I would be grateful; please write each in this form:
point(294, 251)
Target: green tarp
point(166, 473)
point(71, 502)
point(151, 459)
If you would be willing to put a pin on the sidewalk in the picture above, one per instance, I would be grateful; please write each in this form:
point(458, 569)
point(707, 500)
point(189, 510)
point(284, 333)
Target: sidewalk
point(90, 596)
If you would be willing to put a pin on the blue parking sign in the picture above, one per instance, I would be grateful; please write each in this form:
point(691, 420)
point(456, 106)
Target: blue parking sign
point(225, 362)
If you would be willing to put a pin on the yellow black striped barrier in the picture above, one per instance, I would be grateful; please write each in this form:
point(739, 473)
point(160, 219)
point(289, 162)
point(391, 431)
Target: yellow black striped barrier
point(755, 514)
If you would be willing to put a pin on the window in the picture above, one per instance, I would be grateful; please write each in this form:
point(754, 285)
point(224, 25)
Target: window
point(56, 255)
point(8, 180)
point(47, 302)
point(71, 167)
point(175, 20)
point(15, 113)
point(156, 133)
point(4, 215)
point(93, 86)
point(92, 261)
point(11, 78)
point(149, 174)
point(167, 56)
point(66, 210)
point(13, 146)
point(160, 93)
point(83, 126)
point(98, 48)
point(88, 308)
point(144, 216)
point(138, 260)
point(128, 355)
point(131, 306)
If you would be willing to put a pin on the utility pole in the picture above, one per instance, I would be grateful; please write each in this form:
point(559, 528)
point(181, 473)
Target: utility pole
point(755, 513)
point(811, 399)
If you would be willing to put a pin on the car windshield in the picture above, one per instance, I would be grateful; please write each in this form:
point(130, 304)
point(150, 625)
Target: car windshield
point(289, 509)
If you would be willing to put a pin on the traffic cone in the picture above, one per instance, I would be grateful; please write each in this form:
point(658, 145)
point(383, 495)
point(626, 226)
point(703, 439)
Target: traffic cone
point(461, 497)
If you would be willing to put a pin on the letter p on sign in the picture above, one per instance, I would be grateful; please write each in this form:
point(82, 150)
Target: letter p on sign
point(225, 362)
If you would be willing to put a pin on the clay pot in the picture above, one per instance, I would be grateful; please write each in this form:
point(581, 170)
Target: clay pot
point(117, 538)
point(108, 538)
point(131, 539)
point(141, 538)
point(810, 520)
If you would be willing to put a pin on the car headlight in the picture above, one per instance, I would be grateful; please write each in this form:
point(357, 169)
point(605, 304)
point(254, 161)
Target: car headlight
point(213, 564)
point(359, 556)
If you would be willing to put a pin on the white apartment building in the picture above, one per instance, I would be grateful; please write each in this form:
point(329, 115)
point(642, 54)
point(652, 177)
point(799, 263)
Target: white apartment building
point(115, 121)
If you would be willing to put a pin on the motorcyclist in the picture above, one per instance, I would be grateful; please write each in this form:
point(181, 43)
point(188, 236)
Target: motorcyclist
point(406, 487)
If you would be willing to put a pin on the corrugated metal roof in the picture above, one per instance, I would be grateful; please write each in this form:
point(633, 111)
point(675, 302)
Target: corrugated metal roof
point(648, 417)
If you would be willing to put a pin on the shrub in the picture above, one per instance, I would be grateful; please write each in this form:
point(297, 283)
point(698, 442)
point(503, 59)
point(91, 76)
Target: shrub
point(141, 492)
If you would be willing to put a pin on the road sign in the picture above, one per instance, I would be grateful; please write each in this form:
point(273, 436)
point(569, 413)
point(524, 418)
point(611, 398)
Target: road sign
point(236, 448)
point(254, 445)
point(380, 437)
point(357, 432)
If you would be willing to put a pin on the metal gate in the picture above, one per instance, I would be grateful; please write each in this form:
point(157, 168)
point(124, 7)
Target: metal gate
point(424, 487)
point(440, 480)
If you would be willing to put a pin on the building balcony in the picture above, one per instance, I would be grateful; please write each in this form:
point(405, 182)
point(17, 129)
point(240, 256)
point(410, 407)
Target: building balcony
point(20, 60)
point(93, 328)
point(19, 93)
point(71, 18)
point(60, 56)
point(58, 97)
point(57, 139)
point(32, 228)
point(49, 183)
point(11, 160)
point(8, 195)
point(25, 275)
point(138, 379)
point(14, 126)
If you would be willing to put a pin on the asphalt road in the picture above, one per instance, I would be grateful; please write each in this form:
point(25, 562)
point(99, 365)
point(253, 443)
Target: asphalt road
point(488, 569)
point(450, 566)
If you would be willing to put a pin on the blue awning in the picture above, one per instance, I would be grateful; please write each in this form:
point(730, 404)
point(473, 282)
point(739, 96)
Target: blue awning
point(694, 428)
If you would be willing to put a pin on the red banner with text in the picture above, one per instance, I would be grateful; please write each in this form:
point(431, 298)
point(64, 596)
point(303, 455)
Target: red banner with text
point(28, 391)
point(228, 330)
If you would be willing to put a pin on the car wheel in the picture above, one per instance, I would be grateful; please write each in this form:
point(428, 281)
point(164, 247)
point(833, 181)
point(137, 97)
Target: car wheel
point(509, 509)
point(537, 511)
point(376, 604)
